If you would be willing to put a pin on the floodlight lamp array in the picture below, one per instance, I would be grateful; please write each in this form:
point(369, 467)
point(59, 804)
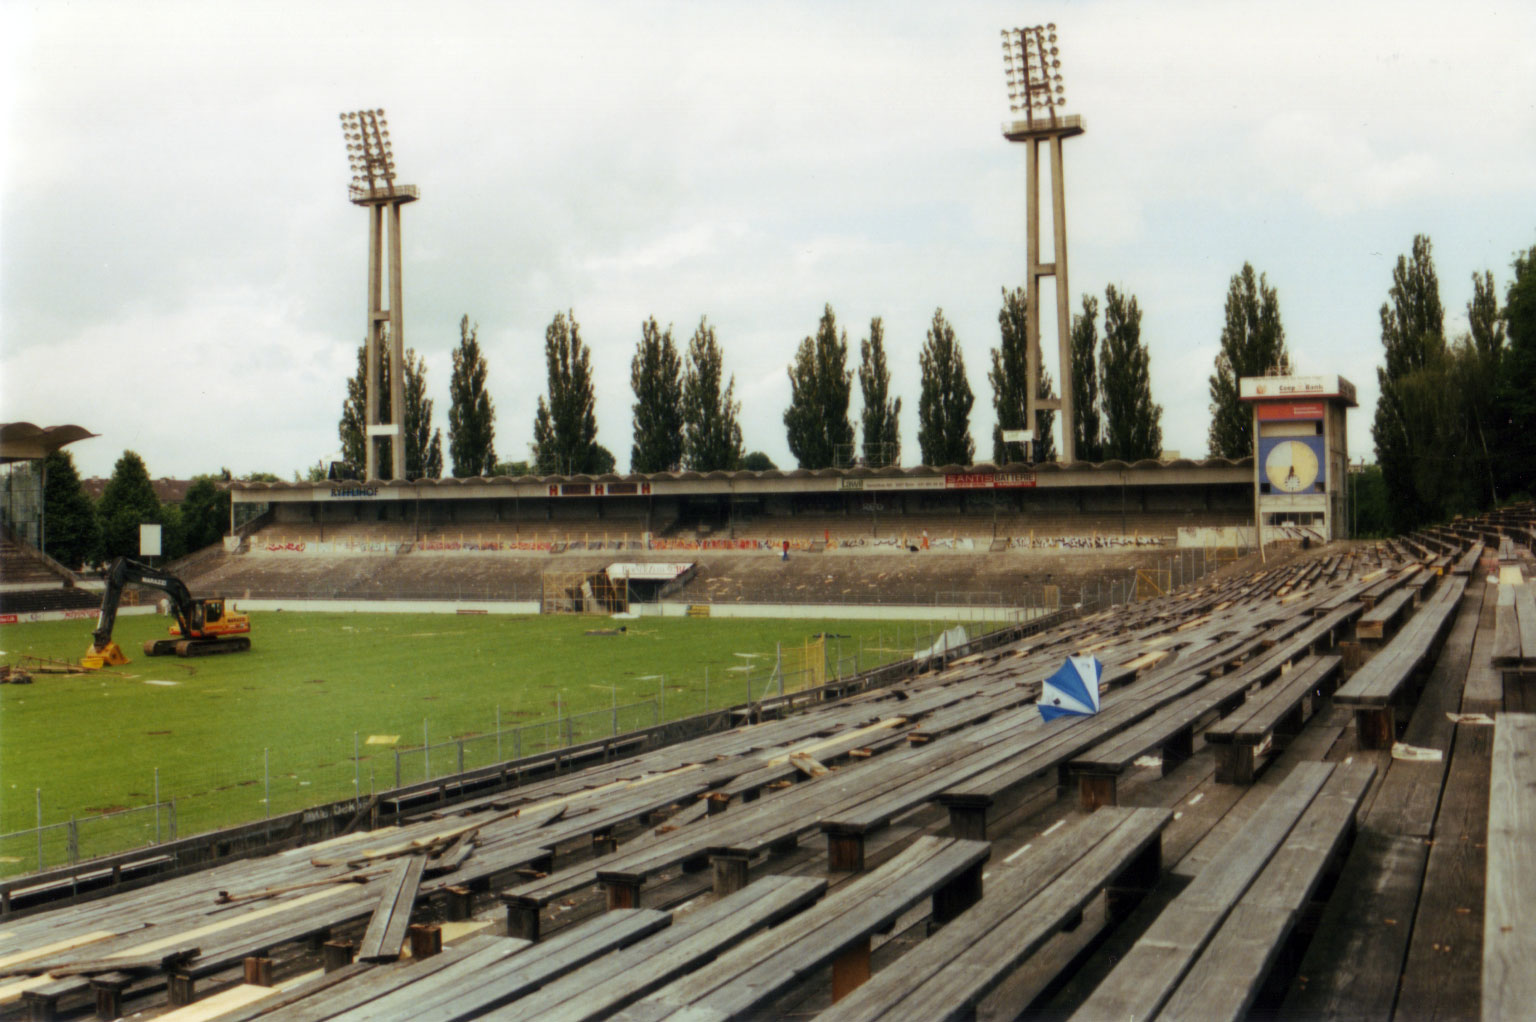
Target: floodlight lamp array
point(1032, 65)
point(370, 155)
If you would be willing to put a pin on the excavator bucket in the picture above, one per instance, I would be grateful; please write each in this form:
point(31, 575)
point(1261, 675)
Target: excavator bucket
point(110, 655)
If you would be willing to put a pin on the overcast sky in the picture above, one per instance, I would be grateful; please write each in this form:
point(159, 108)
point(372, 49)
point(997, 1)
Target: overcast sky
point(181, 271)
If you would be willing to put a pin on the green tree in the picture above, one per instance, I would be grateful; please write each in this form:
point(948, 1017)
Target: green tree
point(1010, 382)
point(128, 502)
point(711, 415)
point(757, 461)
point(353, 428)
point(1477, 356)
point(512, 468)
point(471, 414)
point(656, 376)
point(1132, 422)
point(881, 421)
point(71, 533)
point(944, 405)
point(1369, 506)
point(820, 383)
point(204, 511)
point(1515, 406)
point(565, 426)
point(1411, 415)
point(423, 444)
point(1088, 437)
point(1252, 341)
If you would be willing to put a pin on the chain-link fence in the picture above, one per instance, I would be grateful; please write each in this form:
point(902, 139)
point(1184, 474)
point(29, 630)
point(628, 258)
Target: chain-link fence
point(86, 837)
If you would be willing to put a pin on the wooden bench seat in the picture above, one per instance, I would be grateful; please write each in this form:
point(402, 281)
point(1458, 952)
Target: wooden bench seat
point(1280, 709)
point(1376, 688)
point(42, 1002)
point(1514, 635)
point(526, 901)
point(1509, 906)
point(1384, 618)
point(694, 940)
point(472, 987)
point(1026, 904)
point(1259, 883)
point(835, 931)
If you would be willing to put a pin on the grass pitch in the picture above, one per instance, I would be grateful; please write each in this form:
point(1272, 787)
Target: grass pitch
point(224, 731)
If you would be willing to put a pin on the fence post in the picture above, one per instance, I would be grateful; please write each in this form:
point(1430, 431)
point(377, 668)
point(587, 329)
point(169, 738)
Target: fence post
point(461, 755)
point(397, 768)
point(426, 752)
point(74, 840)
point(517, 744)
point(38, 793)
point(357, 767)
point(173, 819)
point(706, 688)
point(498, 733)
point(266, 779)
point(157, 805)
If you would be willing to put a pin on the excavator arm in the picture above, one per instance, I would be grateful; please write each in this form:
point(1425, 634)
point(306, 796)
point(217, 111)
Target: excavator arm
point(195, 641)
point(125, 572)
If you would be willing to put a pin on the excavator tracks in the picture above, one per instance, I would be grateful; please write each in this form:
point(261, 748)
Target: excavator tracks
point(196, 647)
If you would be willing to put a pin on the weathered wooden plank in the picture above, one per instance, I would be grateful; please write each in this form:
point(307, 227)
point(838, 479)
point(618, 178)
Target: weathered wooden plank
point(1509, 921)
point(386, 930)
point(1225, 980)
point(1506, 632)
point(1353, 966)
point(763, 967)
point(1442, 978)
point(1525, 612)
point(1145, 978)
point(611, 983)
point(950, 973)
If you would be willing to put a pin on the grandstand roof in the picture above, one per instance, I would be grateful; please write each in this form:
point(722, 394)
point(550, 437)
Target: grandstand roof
point(26, 441)
point(983, 475)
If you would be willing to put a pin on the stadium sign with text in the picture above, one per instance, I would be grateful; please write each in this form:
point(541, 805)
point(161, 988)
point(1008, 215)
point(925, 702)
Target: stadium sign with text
point(988, 480)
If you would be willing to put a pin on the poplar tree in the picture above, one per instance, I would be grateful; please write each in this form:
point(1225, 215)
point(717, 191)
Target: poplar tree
point(944, 405)
point(1009, 377)
point(423, 444)
point(471, 414)
point(1088, 435)
point(711, 430)
point(1408, 428)
point(353, 427)
point(655, 375)
point(1132, 421)
point(882, 413)
point(816, 421)
point(1252, 340)
point(565, 425)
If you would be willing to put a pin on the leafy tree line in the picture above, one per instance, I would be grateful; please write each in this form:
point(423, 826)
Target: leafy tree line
point(79, 531)
point(1455, 424)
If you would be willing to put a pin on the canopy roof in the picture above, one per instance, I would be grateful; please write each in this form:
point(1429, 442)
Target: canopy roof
point(26, 441)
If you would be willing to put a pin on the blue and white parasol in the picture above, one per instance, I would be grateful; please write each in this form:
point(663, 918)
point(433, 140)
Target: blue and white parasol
point(1073, 690)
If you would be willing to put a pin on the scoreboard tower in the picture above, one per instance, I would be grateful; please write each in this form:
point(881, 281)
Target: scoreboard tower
point(1301, 454)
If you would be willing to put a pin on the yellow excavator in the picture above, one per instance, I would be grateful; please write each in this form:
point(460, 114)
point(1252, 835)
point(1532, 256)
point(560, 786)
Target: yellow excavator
point(203, 627)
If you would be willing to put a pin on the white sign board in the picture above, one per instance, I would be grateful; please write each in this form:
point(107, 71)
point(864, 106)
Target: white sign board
point(1018, 436)
point(149, 541)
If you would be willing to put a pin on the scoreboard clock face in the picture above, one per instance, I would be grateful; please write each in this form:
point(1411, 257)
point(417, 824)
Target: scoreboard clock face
point(1292, 465)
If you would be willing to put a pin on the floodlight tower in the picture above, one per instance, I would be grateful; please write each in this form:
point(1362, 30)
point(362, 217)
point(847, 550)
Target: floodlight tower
point(373, 186)
point(1035, 90)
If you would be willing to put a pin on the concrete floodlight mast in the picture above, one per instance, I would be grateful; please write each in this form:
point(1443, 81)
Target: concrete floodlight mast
point(1036, 96)
point(373, 186)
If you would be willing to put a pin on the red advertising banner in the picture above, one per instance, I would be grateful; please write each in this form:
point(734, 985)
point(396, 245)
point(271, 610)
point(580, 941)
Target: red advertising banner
point(988, 480)
point(1285, 411)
